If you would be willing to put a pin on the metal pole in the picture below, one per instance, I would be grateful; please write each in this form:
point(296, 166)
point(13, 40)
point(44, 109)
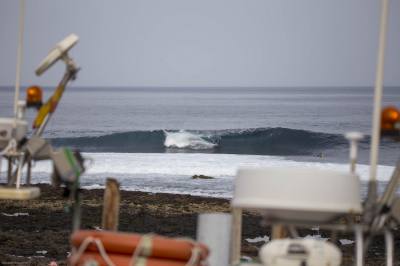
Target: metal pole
point(63, 83)
point(19, 54)
point(389, 247)
point(29, 172)
point(9, 170)
point(76, 206)
point(19, 170)
point(390, 192)
point(353, 138)
point(376, 120)
point(359, 246)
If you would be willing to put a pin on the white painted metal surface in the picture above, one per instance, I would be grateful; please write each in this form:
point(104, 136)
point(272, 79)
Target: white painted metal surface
point(214, 230)
point(25, 193)
point(297, 194)
point(294, 252)
point(7, 126)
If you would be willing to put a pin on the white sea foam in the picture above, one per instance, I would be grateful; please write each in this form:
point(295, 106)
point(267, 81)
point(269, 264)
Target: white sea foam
point(15, 214)
point(258, 239)
point(345, 242)
point(171, 172)
point(216, 165)
point(186, 140)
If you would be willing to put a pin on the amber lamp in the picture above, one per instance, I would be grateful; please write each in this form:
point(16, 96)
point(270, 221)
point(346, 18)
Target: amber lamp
point(34, 96)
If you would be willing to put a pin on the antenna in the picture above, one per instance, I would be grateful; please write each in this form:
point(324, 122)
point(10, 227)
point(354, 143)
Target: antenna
point(19, 54)
point(60, 51)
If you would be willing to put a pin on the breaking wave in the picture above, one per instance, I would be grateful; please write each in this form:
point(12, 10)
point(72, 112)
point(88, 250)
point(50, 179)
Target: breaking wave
point(187, 140)
point(259, 141)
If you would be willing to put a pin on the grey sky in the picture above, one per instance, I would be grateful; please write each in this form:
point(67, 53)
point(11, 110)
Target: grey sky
point(205, 42)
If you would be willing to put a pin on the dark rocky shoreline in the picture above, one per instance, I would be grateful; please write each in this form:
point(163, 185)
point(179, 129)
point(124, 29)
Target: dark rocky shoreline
point(45, 223)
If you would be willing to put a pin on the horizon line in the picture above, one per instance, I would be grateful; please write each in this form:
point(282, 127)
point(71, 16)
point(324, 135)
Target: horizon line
point(214, 87)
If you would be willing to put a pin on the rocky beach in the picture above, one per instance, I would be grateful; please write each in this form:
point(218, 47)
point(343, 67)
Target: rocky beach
point(37, 232)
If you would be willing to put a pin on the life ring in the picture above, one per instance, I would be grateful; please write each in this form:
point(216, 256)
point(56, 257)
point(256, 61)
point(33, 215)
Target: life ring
point(124, 260)
point(126, 244)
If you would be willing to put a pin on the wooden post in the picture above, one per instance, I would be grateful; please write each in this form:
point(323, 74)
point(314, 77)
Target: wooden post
point(112, 199)
point(278, 231)
point(236, 237)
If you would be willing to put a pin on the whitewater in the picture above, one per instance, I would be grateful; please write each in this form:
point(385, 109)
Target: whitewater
point(188, 153)
point(172, 173)
point(156, 139)
point(187, 140)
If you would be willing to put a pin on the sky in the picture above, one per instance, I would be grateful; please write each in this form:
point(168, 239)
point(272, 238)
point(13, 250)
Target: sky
point(268, 43)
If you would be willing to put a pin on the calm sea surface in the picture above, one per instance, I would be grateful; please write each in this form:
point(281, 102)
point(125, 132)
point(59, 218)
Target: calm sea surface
point(91, 111)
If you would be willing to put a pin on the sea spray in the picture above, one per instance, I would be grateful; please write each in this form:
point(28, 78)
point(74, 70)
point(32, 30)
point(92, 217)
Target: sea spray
point(187, 140)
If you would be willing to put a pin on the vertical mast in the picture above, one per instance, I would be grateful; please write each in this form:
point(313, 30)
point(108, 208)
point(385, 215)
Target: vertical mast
point(19, 54)
point(376, 120)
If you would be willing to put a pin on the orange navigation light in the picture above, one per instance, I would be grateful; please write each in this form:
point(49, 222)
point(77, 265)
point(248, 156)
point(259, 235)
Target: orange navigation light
point(390, 118)
point(34, 96)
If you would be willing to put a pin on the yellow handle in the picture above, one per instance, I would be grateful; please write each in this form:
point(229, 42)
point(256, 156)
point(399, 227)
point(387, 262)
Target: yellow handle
point(49, 107)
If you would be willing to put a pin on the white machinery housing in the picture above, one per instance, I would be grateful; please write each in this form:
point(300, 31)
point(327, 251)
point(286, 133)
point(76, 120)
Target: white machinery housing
point(294, 252)
point(297, 194)
point(7, 126)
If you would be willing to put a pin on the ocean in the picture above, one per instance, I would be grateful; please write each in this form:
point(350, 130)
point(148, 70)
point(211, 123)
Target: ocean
point(155, 139)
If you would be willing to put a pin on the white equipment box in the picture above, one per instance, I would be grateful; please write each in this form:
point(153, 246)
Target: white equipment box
point(7, 126)
point(298, 252)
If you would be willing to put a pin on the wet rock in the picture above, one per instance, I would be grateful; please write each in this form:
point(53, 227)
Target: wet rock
point(202, 177)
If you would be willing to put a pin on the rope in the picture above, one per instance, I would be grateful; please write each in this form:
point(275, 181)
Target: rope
point(89, 240)
point(140, 261)
point(143, 248)
point(195, 257)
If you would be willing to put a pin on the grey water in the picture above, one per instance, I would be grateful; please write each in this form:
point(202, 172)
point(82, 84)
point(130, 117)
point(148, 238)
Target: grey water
point(312, 116)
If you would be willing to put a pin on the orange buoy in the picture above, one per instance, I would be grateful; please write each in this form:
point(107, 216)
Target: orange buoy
point(390, 116)
point(126, 243)
point(125, 260)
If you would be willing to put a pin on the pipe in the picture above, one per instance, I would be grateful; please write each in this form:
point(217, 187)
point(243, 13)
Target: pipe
point(359, 246)
point(214, 230)
point(376, 119)
point(19, 54)
point(389, 247)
